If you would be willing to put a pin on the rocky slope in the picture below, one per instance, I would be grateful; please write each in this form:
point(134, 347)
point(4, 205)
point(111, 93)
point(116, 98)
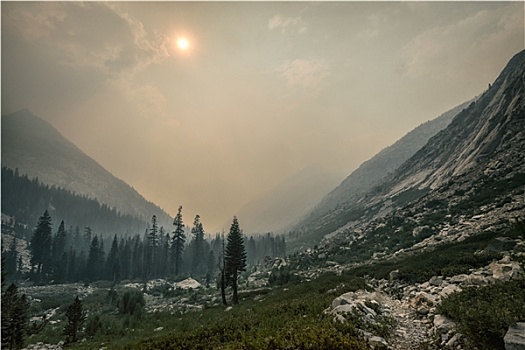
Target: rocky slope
point(37, 149)
point(467, 178)
point(375, 170)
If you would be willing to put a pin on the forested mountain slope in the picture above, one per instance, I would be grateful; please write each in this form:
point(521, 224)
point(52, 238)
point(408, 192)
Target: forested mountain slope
point(37, 149)
point(25, 200)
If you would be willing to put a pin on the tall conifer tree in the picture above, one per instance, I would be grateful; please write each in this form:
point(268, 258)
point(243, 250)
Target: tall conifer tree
point(198, 244)
point(235, 257)
point(41, 244)
point(178, 240)
point(153, 243)
point(76, 316)
point(14, 318)
point(113, 262)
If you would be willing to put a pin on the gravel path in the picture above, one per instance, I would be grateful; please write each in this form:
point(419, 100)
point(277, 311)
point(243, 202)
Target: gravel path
point(411, 333)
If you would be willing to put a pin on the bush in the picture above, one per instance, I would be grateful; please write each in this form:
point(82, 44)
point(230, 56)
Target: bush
point(281, 276)
point(484, 314)
point(131, 302)
point(93, 325)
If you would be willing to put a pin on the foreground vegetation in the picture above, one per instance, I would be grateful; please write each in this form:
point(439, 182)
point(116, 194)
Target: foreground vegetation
point(290, 317)
point(446, 260)
point(484, 314)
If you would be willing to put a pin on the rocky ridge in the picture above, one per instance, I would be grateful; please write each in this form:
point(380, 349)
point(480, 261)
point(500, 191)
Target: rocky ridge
point(379, 167)
point(473, 170)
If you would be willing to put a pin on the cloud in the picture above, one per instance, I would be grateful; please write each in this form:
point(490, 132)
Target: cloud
point(296, 24)
point(305, 75)
point(372, 29)
point(452, 52)
point(34, 22)
point(95, 35)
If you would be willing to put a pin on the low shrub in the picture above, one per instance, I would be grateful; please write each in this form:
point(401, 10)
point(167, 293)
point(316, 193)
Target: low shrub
point(483, 314)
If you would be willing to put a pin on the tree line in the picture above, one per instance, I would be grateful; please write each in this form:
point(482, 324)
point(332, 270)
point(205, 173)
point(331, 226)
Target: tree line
point(75, 255)
point(25, 199)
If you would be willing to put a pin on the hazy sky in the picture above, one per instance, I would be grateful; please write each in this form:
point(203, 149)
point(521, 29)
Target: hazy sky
point(264, 89)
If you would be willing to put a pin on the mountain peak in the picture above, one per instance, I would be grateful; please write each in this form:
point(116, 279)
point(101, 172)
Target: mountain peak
point(37, 149)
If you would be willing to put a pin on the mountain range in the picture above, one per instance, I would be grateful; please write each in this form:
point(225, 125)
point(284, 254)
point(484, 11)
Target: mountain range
point(310, 194)
point(38, 150)
point(383, 164)
point(473, 168)
point(438, 168)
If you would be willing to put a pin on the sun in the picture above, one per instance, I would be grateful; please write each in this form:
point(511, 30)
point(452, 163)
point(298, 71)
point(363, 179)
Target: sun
point(183, 44)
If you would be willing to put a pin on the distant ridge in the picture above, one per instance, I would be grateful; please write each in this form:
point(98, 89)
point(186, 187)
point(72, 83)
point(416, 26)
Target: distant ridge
point(377, 169)
point(284, 204)
point(37, 149)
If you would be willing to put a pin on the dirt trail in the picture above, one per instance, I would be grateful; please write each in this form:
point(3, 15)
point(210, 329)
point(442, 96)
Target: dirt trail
point(411, 333)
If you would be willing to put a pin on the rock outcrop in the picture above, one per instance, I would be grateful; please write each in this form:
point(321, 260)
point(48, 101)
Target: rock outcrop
point(515, 337)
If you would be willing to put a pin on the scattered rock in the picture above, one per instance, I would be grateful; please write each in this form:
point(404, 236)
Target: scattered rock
point(188, 283)
point(394, 275)
point(436, 281)
point(505, 270)
point(443, 324)
point(515, 337)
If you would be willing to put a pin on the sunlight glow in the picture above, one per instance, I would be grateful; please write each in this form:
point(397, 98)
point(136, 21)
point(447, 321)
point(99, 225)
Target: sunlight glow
point(183, 44)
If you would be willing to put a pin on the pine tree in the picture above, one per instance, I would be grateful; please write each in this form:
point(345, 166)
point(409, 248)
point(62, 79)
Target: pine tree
point(211, 267)
point(153, 243)
point(125, 257)
point(59, 242)
point(11, 258)
point(93, 263)
point(137, 259)
point(59, 246)
point(198, 244)
point(71, 274)
point(222, 268)
point(87, 237)
point(14, 318)
point(178, 240)
point(113, 262)
point(41, 245)
point(164, 252)
point(235, 257)
point(76, 316)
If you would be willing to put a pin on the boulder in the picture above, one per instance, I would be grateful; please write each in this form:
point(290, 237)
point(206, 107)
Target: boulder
point(505, 270)
point(501, 244)
point(394, 275)
point(188, 283)
point(422, 299)
point(515, 337)
point(446, 291)
point(343, 309)
point(459, 279)
point(376, 342)
point(436, 281)
point(344, 299)
point(443, 324)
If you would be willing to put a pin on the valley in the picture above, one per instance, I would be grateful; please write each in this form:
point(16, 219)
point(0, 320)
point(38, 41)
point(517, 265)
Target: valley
point(422, 247)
